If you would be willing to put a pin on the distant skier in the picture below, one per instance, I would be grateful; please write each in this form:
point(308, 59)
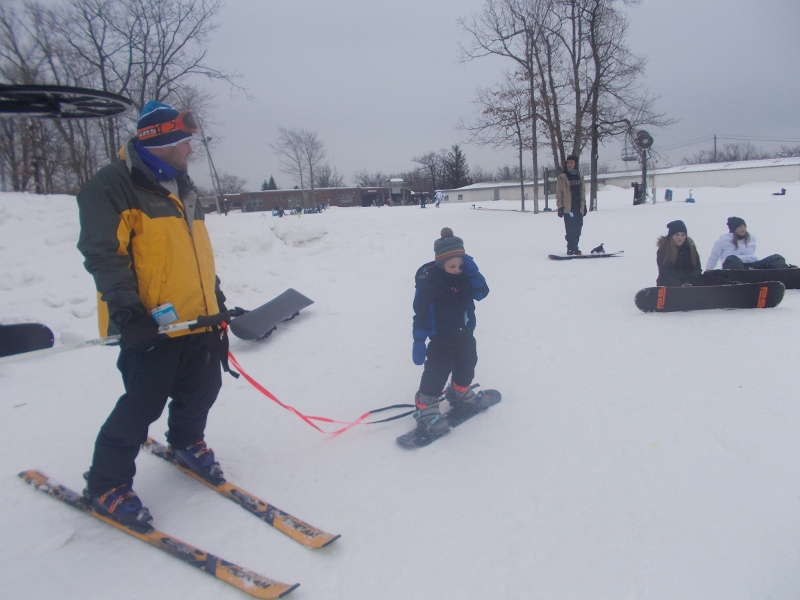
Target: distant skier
point(571, 203)
point(444, 311)
point(737, 250)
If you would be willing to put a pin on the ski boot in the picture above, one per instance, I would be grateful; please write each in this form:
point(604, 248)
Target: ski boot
point(464, 398)
point(428, 417)
point(200, 458)
point(122, 505)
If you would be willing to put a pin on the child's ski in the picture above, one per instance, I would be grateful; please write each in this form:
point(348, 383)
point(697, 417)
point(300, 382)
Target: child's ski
point(247, 581)
point(418, 438)
point(299, 531)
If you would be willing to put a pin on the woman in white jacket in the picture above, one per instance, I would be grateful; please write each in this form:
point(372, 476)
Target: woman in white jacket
point(737, 250)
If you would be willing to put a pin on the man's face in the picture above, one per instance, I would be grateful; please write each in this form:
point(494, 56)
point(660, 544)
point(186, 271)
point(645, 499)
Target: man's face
point(175, 156)
point(571, 164)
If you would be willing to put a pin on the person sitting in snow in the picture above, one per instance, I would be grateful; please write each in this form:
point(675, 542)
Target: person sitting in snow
point(677, 258)
point(737, 250)
point(444, 311)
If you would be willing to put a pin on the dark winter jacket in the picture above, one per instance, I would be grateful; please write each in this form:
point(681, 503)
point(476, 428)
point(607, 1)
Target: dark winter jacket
point(138, 246)
point(444, 302)
point(685, 269)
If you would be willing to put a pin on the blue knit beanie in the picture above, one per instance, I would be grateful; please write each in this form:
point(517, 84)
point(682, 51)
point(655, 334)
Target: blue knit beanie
point(154, 113)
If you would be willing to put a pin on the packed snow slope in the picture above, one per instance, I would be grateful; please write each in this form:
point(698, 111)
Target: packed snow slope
point(647, 456)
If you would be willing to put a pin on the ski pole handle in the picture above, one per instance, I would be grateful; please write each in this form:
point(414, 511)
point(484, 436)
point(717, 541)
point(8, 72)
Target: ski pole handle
point(105, 341)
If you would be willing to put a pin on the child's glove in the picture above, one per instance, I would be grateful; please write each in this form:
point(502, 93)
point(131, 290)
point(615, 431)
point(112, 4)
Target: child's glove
point(469, 268)
point(561, 213)
point(419, 351)
point(476, 280)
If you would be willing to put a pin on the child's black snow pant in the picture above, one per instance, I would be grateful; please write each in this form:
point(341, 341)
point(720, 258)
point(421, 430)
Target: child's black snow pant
point(453, 352)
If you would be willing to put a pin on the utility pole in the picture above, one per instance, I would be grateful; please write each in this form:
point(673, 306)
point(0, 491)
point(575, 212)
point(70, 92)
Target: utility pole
point(715, 147)
point(213, 171)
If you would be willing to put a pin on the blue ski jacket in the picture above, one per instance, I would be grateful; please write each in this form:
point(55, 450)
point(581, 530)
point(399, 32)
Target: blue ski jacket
point(444, 302)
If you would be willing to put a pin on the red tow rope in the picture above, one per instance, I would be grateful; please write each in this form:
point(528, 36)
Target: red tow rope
point(310, 419)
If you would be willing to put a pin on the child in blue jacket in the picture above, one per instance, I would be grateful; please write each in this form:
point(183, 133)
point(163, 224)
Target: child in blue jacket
point(444, 311)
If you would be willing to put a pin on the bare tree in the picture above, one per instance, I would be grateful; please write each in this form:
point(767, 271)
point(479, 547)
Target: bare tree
point(505, 29)
point(329, 177)
point(504, 121)
point(289, 149)
point(729, 153)
point(366, 178)
point(573, 53)
point(231, 184)
point(144, 49)
point(313, 150)
point(431, 167)
point(788, 151)
point(299, 153)
point(479, 175)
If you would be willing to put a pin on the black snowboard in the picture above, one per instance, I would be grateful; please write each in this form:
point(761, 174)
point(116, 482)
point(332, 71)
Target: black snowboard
point(788, 277)
point(24, 337)
point(417, 438)
point(598, 255)
point(745, 295)
point(259, 323)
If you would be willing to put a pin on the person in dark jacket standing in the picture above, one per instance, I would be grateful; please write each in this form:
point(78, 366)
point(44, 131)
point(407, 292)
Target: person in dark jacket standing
point(571, 203)
point(145, 243)
point(444, 311)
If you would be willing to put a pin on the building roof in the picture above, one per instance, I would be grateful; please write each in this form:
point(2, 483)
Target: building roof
point(720, 166)
point(697, 168)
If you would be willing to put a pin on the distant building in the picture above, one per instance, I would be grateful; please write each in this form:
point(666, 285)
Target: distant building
point(729, 174)
point(269, 200)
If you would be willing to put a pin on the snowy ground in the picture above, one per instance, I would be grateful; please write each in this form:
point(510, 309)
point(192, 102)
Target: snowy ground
point(641, 456)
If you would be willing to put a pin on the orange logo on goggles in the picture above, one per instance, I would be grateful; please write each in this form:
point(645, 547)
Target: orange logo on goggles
point(183, 122)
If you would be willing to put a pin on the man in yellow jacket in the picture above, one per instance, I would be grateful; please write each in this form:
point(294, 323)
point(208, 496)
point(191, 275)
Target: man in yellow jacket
point(144, 241)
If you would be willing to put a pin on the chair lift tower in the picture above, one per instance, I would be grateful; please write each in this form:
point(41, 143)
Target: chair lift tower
point(642, 141)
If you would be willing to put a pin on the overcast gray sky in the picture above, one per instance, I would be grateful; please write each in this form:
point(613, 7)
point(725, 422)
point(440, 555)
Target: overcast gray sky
point(380, 82)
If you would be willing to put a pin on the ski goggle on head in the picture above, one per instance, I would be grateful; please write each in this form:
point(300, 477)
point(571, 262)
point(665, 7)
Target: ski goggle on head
point(185, 122)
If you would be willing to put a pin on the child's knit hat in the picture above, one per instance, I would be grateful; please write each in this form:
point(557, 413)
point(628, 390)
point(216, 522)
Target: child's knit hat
point(447, 246)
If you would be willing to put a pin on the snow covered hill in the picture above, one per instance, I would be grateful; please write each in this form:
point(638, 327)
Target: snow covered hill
point(646, 456)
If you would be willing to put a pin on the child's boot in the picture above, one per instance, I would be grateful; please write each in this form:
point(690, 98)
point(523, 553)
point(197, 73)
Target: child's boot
point(428, 416)
point(464, 398)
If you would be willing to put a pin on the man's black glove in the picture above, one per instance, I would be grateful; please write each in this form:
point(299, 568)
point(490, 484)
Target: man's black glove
point(584, 212)
point(138, 330)
point(561, 213)
point(225, 314)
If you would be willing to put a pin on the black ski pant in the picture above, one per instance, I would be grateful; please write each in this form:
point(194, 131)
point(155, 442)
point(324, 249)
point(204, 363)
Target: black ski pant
point(185, 369)
point(773, 261)
point(453, 352)
point(573, 226)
